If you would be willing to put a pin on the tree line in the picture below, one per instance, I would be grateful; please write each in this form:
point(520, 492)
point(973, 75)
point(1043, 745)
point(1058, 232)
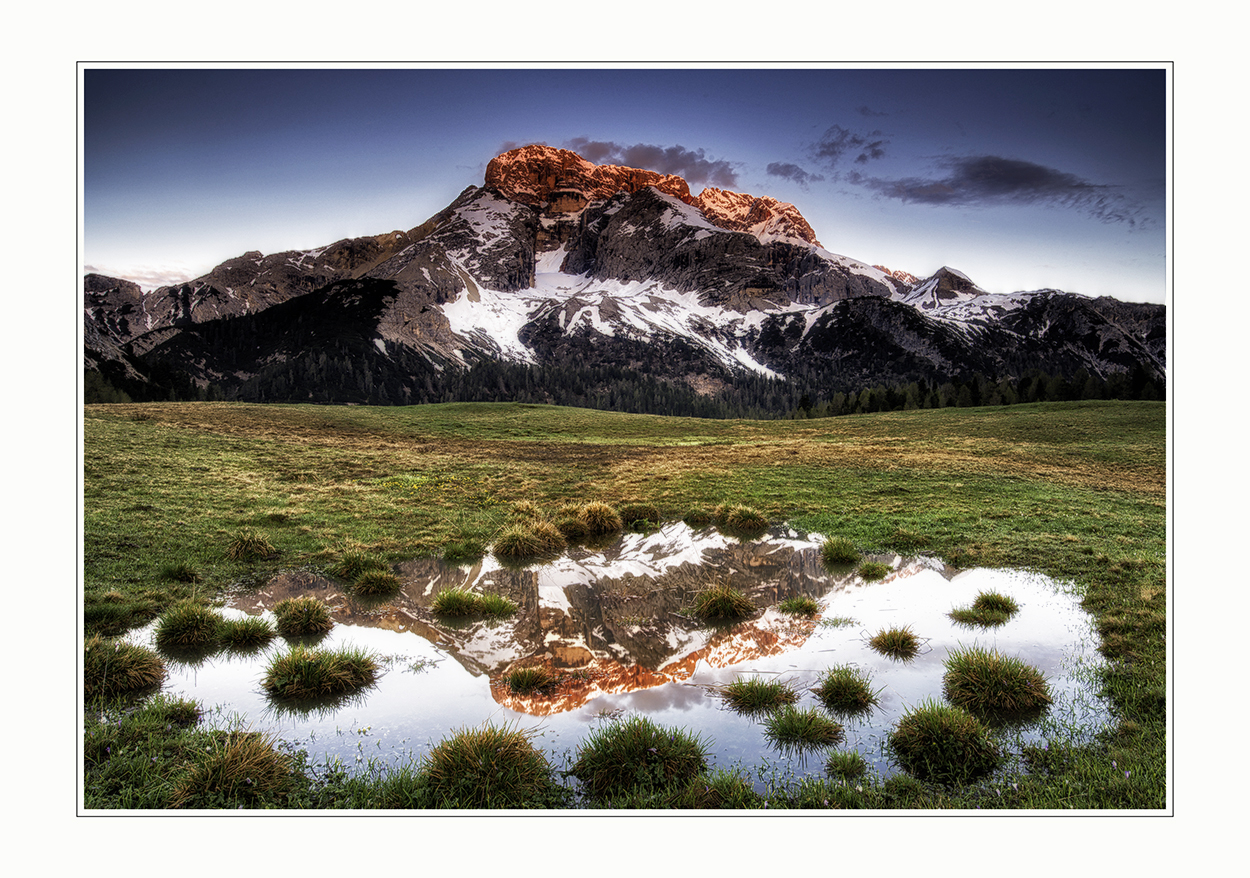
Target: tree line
point(347, 374)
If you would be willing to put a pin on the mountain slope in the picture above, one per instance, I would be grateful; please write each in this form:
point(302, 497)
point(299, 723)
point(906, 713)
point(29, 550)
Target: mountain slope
point(557, 263)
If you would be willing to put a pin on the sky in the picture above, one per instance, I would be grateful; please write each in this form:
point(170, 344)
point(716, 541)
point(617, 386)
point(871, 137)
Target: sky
point(1022, 178)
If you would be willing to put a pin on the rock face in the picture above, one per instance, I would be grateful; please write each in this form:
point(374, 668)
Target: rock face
point(561, 264)
point(557, 181)
point(763, 217)
point(561, 181)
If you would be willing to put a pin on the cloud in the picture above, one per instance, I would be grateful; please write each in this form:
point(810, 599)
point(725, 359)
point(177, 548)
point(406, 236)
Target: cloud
point(792, 172)
point(838, 143)
point(865, 110)
point(993, 180)
point(691, 164)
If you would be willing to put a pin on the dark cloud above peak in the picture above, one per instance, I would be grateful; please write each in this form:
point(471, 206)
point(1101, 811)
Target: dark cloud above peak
point(996, 180)
point(838, 143)
point(793, 172)
point(690, 164)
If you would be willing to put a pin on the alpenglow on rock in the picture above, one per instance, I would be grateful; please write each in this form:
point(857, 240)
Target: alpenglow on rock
point(557, 263)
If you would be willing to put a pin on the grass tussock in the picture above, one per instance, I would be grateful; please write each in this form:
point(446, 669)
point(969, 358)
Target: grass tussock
point(943, 744)
point(846, 690)
point(900, 644)
point(846, 764)
point(599, 519)
point(791, 729)
point(188, 625)
point(302, 617)
point(532, 538)
point(640, 517)
point(115, 667)
point(490, 767)
point(376, 584)
point(872, 571)
point(353, 564)
point(721, 602)
point(751, 696)
point(838, 551)
point(245, 766)
point(250, 545)
point(636, 754)
point(990, 609)
point(316, 673)
point(799, 605)
point(741, 519)
point(463, 603)
point(523, 681)
point(248, 633)
point(989, 684)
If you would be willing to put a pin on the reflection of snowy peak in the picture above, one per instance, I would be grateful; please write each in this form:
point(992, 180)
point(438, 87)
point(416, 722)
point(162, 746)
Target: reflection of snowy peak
point(557, 262)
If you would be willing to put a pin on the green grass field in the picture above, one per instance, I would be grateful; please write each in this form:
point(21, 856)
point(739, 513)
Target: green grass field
point(1073, 490)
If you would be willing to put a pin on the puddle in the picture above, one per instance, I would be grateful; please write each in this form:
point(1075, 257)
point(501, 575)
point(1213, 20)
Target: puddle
point(612, 619)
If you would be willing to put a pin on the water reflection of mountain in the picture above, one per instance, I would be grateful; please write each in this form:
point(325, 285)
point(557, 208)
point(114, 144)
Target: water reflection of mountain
point(611, 619)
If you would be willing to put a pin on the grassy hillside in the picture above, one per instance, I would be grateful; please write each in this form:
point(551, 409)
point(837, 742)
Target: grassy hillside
point(1075, 490)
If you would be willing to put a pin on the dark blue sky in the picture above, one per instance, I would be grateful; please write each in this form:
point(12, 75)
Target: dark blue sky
point(1020, 178)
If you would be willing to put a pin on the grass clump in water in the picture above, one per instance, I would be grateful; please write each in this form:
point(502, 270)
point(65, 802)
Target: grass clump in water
point(376, 584)
point(721, 602)
point(496, 605)
point(847, 690)
point(740, 519)
point(316, 673)
point(753, 695)
point(943, 744)
point(874, 570)
point(455, 602)
point(115, 667)
point(599, 519)
point(838, 550)
point(530, 679)
point(490, 767)
point(846, 764)
point(249, 545)
point(241, 768)
point(990, 684)
point(353, 564)
point(799, 605)
point(302, 617)
point(635, 754)
point(250, 632)
point(532, 538)
point(900, 644)
point(791, 729)
point(188, 625)
point(634, 515)
point(988, 610)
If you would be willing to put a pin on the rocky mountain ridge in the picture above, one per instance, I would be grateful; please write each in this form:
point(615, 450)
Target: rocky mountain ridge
point(557, 262)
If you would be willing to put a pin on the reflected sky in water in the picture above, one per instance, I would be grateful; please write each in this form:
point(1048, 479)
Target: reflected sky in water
point(614, 620)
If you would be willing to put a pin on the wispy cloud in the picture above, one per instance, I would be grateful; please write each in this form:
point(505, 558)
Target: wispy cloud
point(838, 143)
point(993, 180)
point(691, 164)
point(793, 172)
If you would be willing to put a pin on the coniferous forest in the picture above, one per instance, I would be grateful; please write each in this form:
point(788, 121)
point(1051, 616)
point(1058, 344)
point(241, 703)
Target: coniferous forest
point(348, 374)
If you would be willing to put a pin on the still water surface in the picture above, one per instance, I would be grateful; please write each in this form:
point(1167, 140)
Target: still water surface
point(612, 618)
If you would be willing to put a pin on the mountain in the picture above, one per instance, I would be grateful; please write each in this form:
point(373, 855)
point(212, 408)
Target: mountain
point(613, 280)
